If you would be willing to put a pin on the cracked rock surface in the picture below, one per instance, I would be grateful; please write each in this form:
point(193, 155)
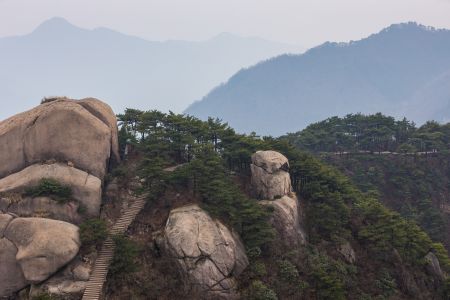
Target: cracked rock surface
point(271, 183)
point(210, 256)
point(32, 249)
point(286, 220)
point(270, 176)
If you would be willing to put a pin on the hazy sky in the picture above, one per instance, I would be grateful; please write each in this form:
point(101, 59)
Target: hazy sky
point(306, 22)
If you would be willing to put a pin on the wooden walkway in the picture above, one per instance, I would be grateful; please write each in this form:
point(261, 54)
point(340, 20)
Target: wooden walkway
point(97, 279)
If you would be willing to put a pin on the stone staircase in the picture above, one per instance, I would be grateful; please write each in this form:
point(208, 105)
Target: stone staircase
point(94, 286)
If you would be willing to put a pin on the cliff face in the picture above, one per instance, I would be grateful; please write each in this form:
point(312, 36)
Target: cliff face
point(271, 184)
point(70, 143)
point(209, 255)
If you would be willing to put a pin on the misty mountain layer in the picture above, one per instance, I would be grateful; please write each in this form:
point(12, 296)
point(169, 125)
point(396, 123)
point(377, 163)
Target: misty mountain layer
point(403, 71)
point(60, 59)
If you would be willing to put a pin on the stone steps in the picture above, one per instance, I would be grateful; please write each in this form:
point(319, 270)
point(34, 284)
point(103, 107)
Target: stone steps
point(97, 279)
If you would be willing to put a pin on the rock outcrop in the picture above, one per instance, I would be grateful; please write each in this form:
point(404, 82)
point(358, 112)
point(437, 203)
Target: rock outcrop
point(86, 188)
point(32, 249)
point(433, 266)
point(62, 130)
point(271, 184)
point(11, 275)
point(347, 252)
point(69, 283)
point(286, 220)
point(270, 176)
point(102, 111)
point(209, 255)
point(73, 142)
point(43, 245)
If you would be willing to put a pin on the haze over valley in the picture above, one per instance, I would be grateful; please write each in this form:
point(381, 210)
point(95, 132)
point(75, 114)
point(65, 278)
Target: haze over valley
point(61, 59)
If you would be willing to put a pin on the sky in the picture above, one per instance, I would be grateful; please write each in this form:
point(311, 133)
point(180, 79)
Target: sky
point(302, 22)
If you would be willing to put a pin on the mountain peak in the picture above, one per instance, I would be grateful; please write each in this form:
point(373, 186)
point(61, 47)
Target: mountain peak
point(55, 25)
point(393, 71)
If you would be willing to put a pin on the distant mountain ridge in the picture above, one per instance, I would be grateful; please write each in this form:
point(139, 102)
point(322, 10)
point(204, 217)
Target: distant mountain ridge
point(404, 70)
point(60, 59)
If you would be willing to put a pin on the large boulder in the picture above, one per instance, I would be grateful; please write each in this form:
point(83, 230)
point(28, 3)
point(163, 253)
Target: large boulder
point(270, 161)
point(104, 112)
point(271, 184)
point(11, 275)
point(62, 130)
point(286, 220)
point(209, 255)
point(43, 246)
point(86, 189)
point(68, 283)
point(270, 176)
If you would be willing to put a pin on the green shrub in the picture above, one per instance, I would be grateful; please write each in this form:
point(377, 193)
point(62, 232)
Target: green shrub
point(258, 269)
point(124, 260)
point(441, 254)
point(302, 285)
point(44, 296)
point(327, 275)
point(287, 271)
point(119, 172)
point(254, 253)
point(259, 291)
point(48, 187)
point(82, 209)
point(446, 289)
point(288, 280)
point(386, 284)
point(93, 232)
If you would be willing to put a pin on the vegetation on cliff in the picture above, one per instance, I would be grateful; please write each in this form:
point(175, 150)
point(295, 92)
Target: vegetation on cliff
point(49, 187)
point(407, 169)
point(213, 165)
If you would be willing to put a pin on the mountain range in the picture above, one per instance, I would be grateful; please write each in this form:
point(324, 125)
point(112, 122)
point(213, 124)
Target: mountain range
point(403, 71)
point(60, 59)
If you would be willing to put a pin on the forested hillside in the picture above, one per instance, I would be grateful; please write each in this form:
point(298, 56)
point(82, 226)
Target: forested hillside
point(402, 70)
point(372, 133)
point(356, 247)
point(408, 167)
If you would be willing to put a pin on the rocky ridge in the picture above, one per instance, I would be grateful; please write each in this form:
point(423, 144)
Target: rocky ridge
point(73, 142)
point(271, 184)
point(209, 255)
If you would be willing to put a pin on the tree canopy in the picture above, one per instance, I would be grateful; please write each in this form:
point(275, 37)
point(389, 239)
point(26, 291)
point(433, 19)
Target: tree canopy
point(373, 133)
